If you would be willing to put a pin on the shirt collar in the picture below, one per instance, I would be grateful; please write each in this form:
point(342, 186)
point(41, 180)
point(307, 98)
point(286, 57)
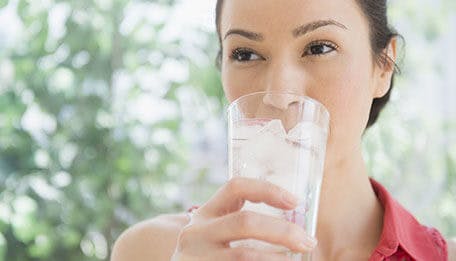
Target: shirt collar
point(400, 228)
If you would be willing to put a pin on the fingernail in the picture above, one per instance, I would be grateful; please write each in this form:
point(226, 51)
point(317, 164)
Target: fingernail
point(289, 199)
point(307, 244)
point(312, 242)
point(304, 248)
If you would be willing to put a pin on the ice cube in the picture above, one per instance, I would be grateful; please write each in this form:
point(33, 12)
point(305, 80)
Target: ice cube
point(275, 127)
point(302, 131)
point(253, 151)
point(270, 151)
point(252, 169)
point(285, 159)
point(245, 130)
point(265, 147)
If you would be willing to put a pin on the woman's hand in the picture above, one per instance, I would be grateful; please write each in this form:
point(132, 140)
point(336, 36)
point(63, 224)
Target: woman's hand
point(219, 221)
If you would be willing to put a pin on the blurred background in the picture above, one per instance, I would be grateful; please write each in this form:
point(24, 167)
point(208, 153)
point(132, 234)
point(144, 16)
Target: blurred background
point(112, 111)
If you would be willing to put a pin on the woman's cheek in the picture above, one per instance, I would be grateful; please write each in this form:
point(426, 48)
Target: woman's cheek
point(344, 91)
point(238, 82)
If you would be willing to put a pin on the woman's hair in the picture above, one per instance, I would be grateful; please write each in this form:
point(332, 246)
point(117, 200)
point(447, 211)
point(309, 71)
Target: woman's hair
point(380, 36)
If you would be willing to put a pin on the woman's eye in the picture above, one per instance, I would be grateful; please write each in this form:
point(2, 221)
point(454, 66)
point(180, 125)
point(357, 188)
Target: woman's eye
point(319, 49)
point(244, 55)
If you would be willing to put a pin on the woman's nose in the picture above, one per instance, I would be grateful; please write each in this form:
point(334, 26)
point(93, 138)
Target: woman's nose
point(281, 101)
point(285, 107)
point(284, 78)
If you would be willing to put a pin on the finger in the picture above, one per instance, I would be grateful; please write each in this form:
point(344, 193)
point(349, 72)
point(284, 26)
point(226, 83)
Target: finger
point(232, 195)
point(247, 224)
point(248, 254)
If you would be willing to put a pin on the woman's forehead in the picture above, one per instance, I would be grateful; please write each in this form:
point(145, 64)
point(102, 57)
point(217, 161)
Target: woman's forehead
point(280, 15)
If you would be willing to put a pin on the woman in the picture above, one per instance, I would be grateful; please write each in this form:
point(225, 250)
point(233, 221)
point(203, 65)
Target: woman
point(341, 53)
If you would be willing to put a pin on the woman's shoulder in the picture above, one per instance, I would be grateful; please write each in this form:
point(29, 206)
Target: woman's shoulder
point(154, 238)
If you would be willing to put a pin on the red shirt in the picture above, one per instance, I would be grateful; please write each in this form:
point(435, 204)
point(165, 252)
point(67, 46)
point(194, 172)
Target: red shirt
point(403, 238)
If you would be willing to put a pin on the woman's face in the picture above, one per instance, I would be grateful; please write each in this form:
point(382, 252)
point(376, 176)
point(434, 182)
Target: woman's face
point(316, 48)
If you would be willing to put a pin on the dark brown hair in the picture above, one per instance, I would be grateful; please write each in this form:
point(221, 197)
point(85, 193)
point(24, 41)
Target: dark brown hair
point(381, 35)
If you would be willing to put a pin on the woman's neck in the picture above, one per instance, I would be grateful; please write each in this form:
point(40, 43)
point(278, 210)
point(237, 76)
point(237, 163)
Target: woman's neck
point(350, 217)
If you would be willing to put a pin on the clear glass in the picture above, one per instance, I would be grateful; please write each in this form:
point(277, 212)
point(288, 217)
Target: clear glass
point(281, 138)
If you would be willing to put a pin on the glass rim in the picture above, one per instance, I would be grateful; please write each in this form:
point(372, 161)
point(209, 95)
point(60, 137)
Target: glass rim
point(305, 97)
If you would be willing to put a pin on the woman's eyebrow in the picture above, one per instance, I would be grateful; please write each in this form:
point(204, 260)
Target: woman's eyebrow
point(247, 34)
point(312, 26)
point(297, 32)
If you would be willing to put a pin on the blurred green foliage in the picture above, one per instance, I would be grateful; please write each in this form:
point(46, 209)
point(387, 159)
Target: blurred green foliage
point(91, 125)
point(72, 175)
